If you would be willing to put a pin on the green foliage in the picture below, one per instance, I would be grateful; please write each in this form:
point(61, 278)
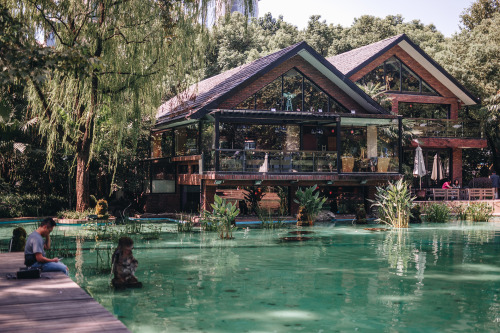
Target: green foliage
point(222, 216)
point(253, 196)
point(268, 220)
point(479, 212)
point(14, 205)
point(479, 11)
point(184, 226)
point(101, 209)
point(360, 215)
point(282, 192)
point(394, 204)
point(309, 202)
point(437, 213)
point(416, 214)
point(460, 212)
point(74, 215)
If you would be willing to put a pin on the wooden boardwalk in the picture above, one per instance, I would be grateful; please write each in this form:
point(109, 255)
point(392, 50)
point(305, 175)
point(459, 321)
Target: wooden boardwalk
point(53, 303)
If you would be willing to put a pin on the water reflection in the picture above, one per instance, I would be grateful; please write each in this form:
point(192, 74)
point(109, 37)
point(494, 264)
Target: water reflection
point(398, 249)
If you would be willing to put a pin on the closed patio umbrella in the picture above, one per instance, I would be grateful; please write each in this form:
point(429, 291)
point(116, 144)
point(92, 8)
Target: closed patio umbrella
point(419, 165)
point(437, 169)
point(264, 167)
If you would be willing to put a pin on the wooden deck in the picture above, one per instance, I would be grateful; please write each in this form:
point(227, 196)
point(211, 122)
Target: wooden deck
point(53, 303)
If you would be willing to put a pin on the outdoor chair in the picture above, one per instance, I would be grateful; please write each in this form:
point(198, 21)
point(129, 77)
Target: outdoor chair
point(439, 193)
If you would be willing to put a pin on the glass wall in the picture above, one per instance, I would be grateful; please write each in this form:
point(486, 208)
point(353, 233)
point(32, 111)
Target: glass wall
point(186, 138)
point(162, 144)
point(292, 91)
point(163, 177)
point(394, 75)
point(370, 147)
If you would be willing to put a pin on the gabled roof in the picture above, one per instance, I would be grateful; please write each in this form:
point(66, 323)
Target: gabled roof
point(352, 61)
point(198, 99)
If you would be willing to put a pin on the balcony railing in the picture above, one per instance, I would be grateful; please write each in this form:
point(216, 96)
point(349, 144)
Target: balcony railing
point(445, 128)
point(277, 161)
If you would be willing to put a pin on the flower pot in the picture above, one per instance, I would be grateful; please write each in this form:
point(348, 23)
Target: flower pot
point(347, 164)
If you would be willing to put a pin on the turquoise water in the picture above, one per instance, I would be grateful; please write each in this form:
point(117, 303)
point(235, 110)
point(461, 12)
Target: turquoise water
point(430, 278)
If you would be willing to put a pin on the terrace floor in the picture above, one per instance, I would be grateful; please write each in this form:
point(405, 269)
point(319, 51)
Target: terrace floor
point(53, 303)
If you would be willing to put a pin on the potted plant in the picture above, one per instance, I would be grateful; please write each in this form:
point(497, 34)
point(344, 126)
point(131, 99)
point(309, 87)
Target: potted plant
point(347, 163)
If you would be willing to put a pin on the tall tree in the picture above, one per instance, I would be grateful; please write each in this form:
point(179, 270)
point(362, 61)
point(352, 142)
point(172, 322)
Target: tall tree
point(478, 11)
point(129, 53)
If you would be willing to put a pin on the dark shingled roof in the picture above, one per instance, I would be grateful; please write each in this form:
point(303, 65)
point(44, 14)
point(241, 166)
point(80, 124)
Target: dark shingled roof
point(204, 92)
point(208, 93)
point(349, 62)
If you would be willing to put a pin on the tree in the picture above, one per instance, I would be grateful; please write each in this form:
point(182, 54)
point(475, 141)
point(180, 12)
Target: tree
point(479, 11)
point(318, 34)
point(123, 56)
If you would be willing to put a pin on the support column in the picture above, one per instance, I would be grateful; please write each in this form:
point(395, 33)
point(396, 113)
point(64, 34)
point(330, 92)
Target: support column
point(207, 196)
point(457, 165)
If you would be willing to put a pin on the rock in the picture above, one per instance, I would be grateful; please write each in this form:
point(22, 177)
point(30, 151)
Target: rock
point(325, 216)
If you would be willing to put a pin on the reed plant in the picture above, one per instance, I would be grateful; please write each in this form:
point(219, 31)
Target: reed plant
point(460, 212)
point(184, 226)
point(394, 203)
point(268, 220)
point(437, 213)
point(479, 212)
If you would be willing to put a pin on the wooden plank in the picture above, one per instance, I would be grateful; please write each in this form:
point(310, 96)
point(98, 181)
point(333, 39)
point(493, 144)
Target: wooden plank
point(53, 303)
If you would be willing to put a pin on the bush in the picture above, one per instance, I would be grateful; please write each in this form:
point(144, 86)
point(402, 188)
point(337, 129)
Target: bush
point(416, 214)
point(479, 212)
point(394, 204)
point(437, 213)
point(460, 212)
point(15, 205)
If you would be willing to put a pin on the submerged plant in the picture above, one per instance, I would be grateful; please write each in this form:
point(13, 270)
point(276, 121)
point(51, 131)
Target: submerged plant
point(223, 216)
point(394, 204)
point(437, 213)
point(310, 204)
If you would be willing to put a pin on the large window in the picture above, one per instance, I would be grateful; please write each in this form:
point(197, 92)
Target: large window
point(395, 76)
point(162, 144)
point(260, 137)
point(292, 91)
point(421, 110)
point(163, 177)
point(186, 138)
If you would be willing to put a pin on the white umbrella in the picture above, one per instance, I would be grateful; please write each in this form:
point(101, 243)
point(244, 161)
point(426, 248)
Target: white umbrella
point(419, 165)
point(264, 167)
point(437, 168)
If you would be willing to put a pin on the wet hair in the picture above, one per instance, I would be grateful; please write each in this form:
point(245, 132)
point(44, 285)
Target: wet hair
point(125, 242)
point(49, 222)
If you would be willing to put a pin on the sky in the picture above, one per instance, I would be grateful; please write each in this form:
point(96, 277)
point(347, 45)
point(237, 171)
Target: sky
point(444, 14)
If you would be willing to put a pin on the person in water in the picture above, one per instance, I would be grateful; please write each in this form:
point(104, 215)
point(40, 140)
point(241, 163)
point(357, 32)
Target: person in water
point(124, 265)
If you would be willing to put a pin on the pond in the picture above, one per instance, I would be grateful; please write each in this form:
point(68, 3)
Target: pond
point(431, 277)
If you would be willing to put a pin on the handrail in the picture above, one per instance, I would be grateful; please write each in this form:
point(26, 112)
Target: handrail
point(446, 128)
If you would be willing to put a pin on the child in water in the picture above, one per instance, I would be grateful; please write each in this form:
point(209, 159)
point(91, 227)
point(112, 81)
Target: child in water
point(124, 265)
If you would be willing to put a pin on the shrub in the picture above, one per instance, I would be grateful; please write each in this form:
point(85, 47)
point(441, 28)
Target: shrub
point(361, 215)
point(479, 212)
point(394, 204)
point(310, 204)
point(18, 205)
point(416, 214)
point(437, 213)
point(460, 212)
point(74, 215)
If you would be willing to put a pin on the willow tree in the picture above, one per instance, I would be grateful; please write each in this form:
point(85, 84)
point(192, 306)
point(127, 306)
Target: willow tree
point(133, 51)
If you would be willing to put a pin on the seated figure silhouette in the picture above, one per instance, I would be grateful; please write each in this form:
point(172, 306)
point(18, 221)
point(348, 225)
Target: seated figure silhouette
point(124, 265)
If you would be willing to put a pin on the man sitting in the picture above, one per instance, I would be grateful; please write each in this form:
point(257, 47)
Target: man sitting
point(34, 252)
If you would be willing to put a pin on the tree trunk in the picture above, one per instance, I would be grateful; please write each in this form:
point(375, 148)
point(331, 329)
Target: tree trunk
point(82, 180)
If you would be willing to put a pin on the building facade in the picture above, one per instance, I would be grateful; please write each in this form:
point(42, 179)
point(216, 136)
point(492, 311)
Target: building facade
point(430, 100)
point(284, 121)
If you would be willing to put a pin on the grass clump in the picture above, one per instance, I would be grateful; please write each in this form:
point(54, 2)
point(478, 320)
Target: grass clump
point(437, 213)
point(479, 212)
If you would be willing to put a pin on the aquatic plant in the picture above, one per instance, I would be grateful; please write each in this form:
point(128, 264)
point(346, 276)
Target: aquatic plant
point(460, 212)
point(479, 212)
point(268, 220)
point(437, 213)
point(283, 195)
point(184, 226)
point(223, 215)
point(416, 213)
point(394, 204)
point(310, 204)
point(73, 214)
point(360, 215)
